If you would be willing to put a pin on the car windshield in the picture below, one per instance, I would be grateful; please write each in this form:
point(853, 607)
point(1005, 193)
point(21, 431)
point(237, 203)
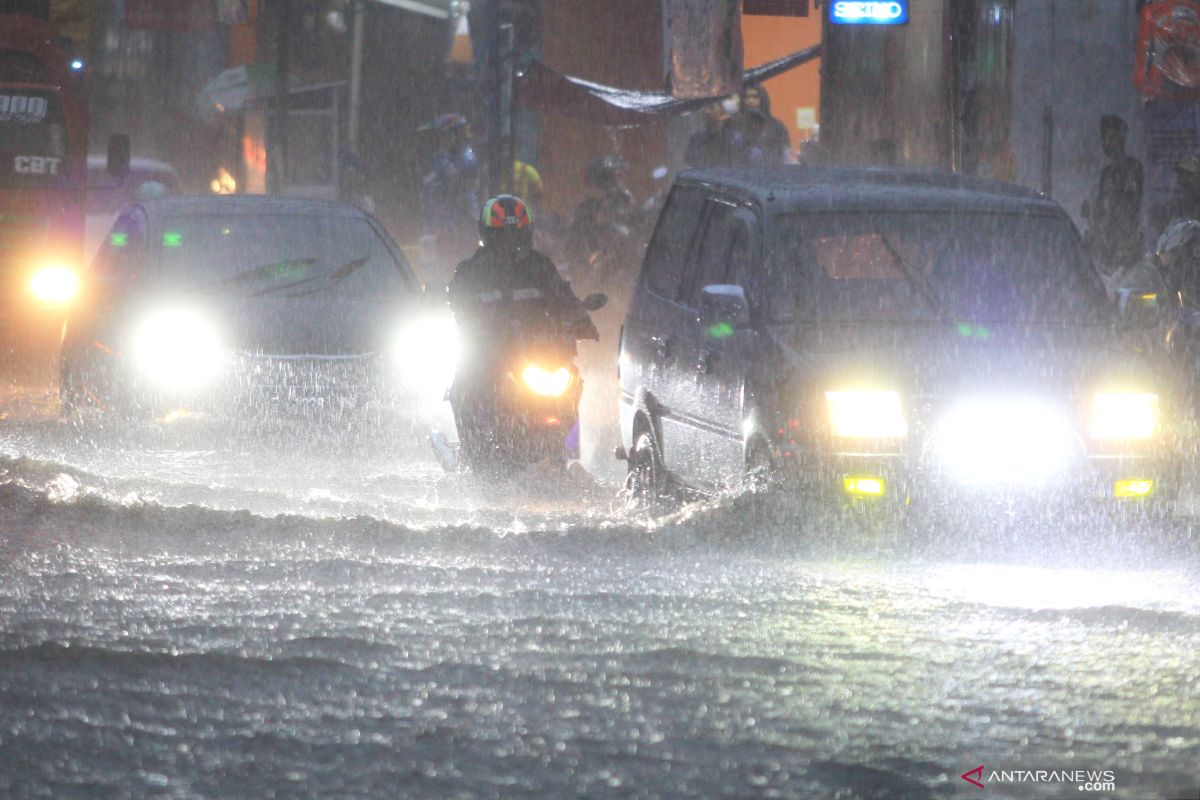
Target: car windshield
point(33, 138)
point(275, 254)
point(912, 266)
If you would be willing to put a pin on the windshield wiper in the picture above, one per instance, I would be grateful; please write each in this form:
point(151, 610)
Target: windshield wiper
point(259, 273)
point(333, 278)
point(914, 280)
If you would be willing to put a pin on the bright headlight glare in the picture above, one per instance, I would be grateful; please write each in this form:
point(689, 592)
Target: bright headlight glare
point(177, 348)
point(426, 351)
point(54, 284)
point(548, 383)
point(1124, 415)
point(866, 414)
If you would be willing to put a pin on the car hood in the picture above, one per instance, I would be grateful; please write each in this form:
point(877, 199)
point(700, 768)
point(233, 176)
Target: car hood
point(937, 359)
point(317, 324)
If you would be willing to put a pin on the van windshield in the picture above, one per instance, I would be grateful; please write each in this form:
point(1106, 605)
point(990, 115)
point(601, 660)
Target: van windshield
point(948, 266)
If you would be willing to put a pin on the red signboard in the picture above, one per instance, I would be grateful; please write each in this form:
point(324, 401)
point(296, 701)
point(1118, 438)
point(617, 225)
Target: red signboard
point(179, 16)
point(776, 8)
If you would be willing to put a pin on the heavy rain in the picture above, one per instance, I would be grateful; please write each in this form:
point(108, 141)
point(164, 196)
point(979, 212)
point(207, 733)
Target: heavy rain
point(600, 398)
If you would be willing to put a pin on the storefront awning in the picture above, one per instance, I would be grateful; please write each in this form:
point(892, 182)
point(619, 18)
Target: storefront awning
point(540, 88)
point(430, 8)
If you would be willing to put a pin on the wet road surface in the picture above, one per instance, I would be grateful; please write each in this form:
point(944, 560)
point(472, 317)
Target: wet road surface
point(189, 613)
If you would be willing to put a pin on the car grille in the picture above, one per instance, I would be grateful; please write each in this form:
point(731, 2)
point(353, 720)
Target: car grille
point(329, 381)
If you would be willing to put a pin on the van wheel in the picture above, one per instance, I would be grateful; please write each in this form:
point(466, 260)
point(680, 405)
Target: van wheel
point(646, 482)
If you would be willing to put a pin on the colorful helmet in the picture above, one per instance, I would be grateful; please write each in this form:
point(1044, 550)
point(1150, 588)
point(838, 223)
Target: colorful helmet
point(506, 224)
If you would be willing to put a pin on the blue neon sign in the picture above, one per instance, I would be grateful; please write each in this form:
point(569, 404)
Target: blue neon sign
point(869, 12)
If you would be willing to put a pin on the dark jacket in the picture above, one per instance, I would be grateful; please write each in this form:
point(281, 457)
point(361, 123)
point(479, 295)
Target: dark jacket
point(491, 288)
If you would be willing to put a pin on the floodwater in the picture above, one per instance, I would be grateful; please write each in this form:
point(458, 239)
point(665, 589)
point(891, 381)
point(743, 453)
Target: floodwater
point(188, 612)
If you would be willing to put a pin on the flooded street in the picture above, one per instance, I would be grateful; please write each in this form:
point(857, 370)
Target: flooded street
point(184, 614)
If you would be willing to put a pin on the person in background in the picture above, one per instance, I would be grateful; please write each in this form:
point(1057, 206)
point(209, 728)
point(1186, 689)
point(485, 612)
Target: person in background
point(1115, 236)
point(753, 136)
point(527, 183)
point(1187, 181)
point(450, 197)
point(706, 147)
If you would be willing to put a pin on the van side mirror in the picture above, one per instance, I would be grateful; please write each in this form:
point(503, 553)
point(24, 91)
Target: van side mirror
point(595, 302)
point(117, 162)
point(723, 309)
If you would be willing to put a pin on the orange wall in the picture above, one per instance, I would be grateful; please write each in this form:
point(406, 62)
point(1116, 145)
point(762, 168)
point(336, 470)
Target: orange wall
point(768, 38)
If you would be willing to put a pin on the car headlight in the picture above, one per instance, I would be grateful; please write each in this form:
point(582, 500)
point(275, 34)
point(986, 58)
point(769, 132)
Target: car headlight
point(426, 351)
point(866, 414)
point(1124, 415)
point(177, 348)
point(54, 284)
point(547, 383)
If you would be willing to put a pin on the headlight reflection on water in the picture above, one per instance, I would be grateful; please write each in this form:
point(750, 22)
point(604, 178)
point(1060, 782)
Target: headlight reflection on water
point(1034, 588)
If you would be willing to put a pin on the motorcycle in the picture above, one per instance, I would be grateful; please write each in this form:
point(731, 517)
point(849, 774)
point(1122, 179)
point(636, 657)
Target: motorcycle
point(518, 403)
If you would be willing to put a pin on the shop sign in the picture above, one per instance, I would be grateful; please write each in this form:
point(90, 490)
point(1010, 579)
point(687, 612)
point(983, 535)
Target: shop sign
point(869, 12)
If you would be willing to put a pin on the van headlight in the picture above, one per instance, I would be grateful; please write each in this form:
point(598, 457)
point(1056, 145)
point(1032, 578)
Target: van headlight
point(55, 284)
point(545, 382)
point(866, 414)
point(177, 348)
point(1124, 415)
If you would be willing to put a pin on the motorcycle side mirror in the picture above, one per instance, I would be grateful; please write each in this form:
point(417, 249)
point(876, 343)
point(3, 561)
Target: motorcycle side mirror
point(595, 302)
point(117, 160)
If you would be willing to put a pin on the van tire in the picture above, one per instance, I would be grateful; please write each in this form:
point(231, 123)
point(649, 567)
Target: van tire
point(646, 482)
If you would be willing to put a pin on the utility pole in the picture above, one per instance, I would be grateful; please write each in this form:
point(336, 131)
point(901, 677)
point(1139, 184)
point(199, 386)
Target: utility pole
point(356, 58)
point(277, 154)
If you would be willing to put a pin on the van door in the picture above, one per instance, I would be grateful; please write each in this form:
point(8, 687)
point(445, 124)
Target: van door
point(715, 357)
point(658, 321)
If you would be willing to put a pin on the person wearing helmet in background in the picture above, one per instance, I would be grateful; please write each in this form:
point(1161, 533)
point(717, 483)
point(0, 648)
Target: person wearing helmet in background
point(602, 224)
point(1115, 235)
point(449, 195)
point(1177, 253)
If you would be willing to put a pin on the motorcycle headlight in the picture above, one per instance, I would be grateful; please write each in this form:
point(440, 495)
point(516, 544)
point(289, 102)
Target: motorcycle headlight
point(1124, 415)
point(866, 414)
point(177, 348)
point(547, 383)
point(54, 284)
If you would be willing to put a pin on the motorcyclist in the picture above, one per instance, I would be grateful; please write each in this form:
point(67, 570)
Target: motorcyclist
point(601, 231)
point(506, 289)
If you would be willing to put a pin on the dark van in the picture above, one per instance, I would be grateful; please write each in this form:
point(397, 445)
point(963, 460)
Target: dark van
point(880, 333)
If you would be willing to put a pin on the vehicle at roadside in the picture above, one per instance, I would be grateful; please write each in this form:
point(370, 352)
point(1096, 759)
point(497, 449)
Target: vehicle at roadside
point(885, 335)
point(246, 305)
point(107, 196)
point(43, 141)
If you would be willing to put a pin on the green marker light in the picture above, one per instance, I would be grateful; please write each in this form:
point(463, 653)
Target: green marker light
point(722, 330)
point(118, 239)
point(172, 239)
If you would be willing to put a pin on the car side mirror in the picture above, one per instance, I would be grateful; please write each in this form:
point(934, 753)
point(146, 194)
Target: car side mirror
point(117, 161)
point(595, 302)
point(723, 309)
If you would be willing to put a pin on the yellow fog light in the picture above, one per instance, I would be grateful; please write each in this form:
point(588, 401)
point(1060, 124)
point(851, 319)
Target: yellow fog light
point(1138, 487)
point(866, 414)
point(1124, 415)
point(54, 284)
point(547, 383)
point(863, 487)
